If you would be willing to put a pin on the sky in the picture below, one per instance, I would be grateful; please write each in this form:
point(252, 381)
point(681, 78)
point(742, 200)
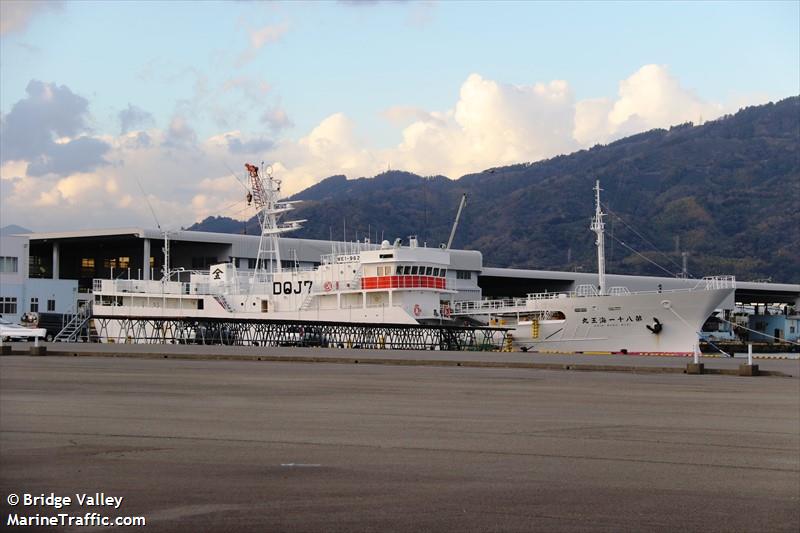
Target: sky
point(123, 113)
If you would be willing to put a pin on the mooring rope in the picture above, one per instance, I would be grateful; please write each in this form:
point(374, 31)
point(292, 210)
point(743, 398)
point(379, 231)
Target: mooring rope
point(760, 332)
point(700, 334)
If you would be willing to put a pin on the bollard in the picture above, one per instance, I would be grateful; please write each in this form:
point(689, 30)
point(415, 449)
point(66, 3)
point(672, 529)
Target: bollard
point(695, 367)
point(749, 369)
point(38, 350)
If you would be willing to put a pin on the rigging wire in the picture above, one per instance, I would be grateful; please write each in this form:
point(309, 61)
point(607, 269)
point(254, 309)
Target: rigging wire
point(644, 239)
point(672, 274)
point(700, 334)
point(146, 199)
point(237, 177)
point(759, 332)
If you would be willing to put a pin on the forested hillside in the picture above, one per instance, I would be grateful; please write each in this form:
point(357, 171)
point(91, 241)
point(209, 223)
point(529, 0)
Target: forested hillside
point(726, 192)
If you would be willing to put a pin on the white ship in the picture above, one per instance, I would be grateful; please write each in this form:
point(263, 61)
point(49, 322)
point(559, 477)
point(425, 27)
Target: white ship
point(607, 320)
point(359, 283)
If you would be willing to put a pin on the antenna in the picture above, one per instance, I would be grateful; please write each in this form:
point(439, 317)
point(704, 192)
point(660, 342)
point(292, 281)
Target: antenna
point(266, 198)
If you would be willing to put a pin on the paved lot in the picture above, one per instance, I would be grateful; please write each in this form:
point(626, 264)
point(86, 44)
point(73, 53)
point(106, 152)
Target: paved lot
point(790, 367)
point(265, 446)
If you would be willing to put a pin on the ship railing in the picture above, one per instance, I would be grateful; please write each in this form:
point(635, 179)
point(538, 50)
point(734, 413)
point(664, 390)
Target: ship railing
point(550, 295)
point(488, 306)
point(138, 286)
point(585, 290)
point(717, 282)
point(618, 291)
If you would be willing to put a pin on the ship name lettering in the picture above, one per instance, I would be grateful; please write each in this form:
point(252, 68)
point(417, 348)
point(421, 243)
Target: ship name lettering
point(287, 287)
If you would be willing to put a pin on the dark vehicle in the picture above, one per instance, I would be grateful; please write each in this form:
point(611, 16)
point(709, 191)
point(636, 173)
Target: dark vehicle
point(313, 338)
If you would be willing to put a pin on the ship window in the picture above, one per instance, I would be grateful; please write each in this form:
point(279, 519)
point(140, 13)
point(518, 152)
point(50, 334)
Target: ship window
point(406, 270)
point(558, 315)
point(614, 308)
point(386, 256)
point(414, 270)
point(34, 305)
point(200, 304)
point(443, 272)
point(428, 271)
point(124, 262)
point(399, 270)
point(51, 304)
point(580, 309)
point(435, 271)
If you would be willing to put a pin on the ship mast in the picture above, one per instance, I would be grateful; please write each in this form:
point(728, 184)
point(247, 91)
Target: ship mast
point(598, 226)
point(265, 195)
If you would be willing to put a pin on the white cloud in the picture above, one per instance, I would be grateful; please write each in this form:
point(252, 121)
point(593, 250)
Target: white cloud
point(187, 178)
point(15, 15)
point(650, 98)
point(259, 37)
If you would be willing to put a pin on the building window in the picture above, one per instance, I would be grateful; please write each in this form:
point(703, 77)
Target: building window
point(8, 305)
point(463, 274)
point(203, 262)
point(34, 305)
point(51, 305)
point(87, 267)
point(8, 265)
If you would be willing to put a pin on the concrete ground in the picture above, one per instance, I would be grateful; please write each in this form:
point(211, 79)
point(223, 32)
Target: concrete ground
point(787, 365)
point(199, 445)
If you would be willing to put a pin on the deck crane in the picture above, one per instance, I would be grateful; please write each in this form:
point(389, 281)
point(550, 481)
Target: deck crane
point(455, 223)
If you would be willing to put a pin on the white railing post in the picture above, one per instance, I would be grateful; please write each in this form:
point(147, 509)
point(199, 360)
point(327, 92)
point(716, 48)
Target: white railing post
point(750, 354)
point(696, 353)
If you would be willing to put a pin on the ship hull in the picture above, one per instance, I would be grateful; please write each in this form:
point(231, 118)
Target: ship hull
point(648, 323)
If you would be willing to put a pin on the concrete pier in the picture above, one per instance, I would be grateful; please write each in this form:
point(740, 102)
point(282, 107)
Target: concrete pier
point(248, 445)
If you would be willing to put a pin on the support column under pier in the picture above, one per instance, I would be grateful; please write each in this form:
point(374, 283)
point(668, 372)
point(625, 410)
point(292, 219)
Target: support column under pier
point(146, 259)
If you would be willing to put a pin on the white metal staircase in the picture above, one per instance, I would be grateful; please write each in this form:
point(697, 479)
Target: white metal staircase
point(76, 325)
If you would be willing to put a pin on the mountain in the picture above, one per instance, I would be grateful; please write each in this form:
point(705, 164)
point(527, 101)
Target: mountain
point(726, 192)
point(13, 229)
